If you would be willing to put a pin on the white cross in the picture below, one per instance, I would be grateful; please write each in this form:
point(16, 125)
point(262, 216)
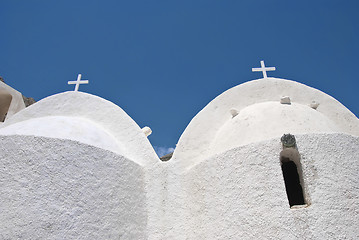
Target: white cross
point(78, 82)
point(263, 69)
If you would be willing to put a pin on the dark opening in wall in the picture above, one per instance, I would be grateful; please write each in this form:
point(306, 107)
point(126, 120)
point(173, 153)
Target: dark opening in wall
point(292, 182)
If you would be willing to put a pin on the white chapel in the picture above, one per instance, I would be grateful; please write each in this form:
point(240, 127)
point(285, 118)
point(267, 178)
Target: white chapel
point(267, 159)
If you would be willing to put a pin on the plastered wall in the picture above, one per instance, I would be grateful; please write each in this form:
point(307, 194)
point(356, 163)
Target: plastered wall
point(56, 187)
point(240, 194)
point(62, 189)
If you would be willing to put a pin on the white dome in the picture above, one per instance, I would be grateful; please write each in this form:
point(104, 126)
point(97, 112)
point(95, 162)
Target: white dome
point(72, 128)
point(267, 120)
point(214, 130)
point(86, 118)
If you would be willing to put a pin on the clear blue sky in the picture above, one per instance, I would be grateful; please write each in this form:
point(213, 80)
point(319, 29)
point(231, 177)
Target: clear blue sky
point(163, 61)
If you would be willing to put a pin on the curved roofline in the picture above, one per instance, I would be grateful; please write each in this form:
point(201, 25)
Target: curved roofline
point(109, 116)
point(71, 128)
point(193, 145)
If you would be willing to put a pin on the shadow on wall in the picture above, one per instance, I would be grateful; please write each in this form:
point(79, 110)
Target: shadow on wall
point(5, 101)
point(292, 182)
point(292, 171)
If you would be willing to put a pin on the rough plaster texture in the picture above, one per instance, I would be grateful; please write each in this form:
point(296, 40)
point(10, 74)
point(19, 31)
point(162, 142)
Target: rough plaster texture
point(62, 189)
point(240, 194)
point(62, 184)
point(196, 141)
point(132, 142)
point(17, 102)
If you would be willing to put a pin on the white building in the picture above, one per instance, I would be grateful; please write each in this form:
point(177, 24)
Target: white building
point(8, 94)
point(69, 171)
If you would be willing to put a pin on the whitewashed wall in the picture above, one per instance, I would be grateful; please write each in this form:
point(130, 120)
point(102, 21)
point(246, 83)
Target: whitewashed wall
point(62, 189)
point(240, 194)
point(109, 184)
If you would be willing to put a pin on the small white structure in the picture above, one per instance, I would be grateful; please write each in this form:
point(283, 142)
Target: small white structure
point(75, 166)
point(263, 69)
point(147, 131)
point(78, 82)
point(285, 100)
point(17, 102)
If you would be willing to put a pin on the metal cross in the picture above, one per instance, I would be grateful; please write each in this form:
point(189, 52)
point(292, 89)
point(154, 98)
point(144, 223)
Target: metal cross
point(263, 69)
point(78, 82)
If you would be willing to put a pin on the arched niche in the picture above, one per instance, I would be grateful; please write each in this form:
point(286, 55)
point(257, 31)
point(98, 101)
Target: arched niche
point(5, 101)
point(293, 177)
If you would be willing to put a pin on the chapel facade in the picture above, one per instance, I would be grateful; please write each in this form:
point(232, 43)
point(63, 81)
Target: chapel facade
point(267, 159)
